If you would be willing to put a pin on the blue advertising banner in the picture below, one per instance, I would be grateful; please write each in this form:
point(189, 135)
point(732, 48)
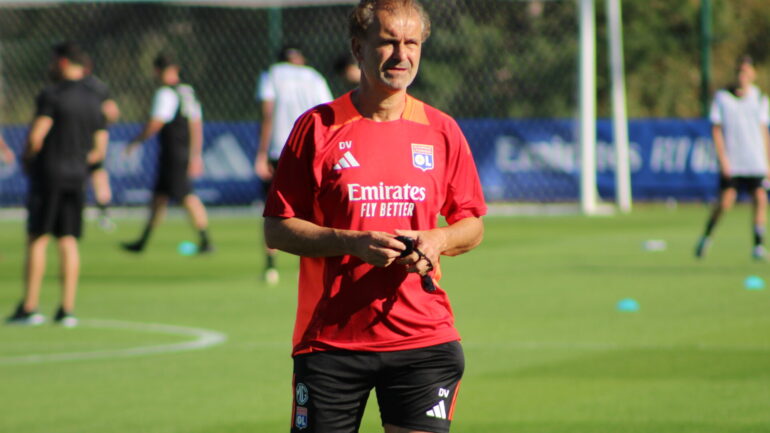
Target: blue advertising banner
point(539, 160)
point(518, 160)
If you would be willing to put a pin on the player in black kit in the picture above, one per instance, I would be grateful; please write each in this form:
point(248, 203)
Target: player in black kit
point(67, 133)
point(176, 118)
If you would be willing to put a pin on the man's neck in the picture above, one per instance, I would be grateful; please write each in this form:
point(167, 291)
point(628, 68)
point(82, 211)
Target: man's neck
point(742, 90)
point(379, 106)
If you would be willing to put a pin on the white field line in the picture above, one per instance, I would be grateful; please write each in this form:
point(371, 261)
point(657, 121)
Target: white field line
point(203, 338)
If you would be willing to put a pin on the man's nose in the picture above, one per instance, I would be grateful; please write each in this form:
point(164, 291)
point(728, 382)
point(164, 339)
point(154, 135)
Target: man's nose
point(400, 52)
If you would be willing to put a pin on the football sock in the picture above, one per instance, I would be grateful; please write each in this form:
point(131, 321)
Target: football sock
point(710, 226)
point(204, 236)
point(759, 235)
point(270, 261)
point(102, 208)
point(145, 235)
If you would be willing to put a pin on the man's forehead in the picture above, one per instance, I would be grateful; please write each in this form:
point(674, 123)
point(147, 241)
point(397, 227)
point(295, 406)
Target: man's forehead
point(396, 21)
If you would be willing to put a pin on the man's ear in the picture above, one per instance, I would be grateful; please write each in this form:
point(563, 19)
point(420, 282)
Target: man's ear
point(356, 49)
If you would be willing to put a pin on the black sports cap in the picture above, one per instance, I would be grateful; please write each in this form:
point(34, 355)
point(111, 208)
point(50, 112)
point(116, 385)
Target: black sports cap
point(164, 60)
point(71, 51)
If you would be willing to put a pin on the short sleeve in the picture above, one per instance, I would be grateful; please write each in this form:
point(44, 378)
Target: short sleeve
point(46, 104)
point(265, 88)
point(764, 111)
point(191, 107)
point(164, 104)
point(293, 188)
point(464, 197)
point(715, 115)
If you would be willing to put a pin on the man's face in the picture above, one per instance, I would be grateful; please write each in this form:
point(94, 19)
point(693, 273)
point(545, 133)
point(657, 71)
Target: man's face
point(167, 75)
point(390, 54)
point(746, 74)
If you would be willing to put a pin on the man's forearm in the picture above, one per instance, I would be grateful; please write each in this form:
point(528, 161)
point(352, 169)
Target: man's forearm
point(37, 133)
point(462, 236)
point(152, 127)
point(99, 152)
point(266, 130)
point(196, 138)
point(766, 138)
point(719, 145)
point(303, 238)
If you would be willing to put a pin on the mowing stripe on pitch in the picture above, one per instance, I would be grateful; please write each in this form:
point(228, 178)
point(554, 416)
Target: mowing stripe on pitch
point(599, 346)
point(204, 338)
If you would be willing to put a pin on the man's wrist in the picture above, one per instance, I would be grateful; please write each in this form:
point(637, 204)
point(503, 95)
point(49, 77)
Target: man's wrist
point(345, 240)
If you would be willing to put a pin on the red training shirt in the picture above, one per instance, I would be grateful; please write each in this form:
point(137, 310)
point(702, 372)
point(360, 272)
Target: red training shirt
point(341, 170)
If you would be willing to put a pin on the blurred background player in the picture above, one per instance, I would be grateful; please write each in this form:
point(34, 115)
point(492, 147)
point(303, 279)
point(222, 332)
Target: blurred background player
point(176, 117)
point(287, 89)
point(100, 180)
point(740, 117)
point(67, 133)
point(346, 68)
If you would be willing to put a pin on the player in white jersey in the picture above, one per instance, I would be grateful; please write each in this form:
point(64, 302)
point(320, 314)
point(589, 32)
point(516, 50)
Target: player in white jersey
point(286, 90)
point(176, 117)
point(740, 117)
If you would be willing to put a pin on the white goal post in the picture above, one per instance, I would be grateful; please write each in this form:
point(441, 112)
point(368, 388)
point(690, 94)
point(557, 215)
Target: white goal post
point(589, 197)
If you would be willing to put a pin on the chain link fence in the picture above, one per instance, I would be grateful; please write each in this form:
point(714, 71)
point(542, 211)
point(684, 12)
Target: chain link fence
point(486, 58)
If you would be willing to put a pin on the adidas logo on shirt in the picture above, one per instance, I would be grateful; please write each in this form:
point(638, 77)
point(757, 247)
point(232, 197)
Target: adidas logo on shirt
point(347, 161)
point(438, 411)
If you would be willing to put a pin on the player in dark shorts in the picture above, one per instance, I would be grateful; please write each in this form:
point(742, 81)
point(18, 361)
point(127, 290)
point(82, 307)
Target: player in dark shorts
point(358, 189)
point(176, 118)
point(100, 180)
point(67, 133)
point(286, 90)
point(740, 115)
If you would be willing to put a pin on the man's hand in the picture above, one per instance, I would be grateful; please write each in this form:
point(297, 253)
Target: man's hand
point(262, 168)
point(430, 243)
point(377, 248)
point(130, 148)
point(7, 156)
point(724, 170)
point(195, 168)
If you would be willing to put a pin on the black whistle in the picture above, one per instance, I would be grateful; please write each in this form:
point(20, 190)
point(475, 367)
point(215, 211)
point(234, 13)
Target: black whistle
point(408, 245)
point(409, 248)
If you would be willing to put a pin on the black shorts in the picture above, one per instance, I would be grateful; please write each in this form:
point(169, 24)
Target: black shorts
point(741, 183)
point(173, 181)
point(416, 389)
point(55, 211)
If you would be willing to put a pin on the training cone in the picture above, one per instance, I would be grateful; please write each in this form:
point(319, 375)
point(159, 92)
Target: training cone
point(187, 248)
point(654, 245)
point(628, 305)
point(753, 282)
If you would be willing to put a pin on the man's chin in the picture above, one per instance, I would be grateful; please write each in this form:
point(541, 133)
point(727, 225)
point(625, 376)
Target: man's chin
point(396, 84)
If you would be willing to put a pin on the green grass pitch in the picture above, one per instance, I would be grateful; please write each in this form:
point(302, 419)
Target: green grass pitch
point(546, 348)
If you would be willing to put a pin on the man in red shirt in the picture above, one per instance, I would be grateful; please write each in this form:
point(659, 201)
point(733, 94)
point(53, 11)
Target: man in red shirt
point(356, 173)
